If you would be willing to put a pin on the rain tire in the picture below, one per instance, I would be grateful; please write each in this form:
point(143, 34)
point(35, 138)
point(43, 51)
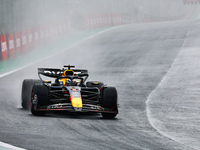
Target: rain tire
point(27, 86)
point(109, 100)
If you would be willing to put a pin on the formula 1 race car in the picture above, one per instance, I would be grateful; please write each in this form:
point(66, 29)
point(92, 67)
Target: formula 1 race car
point(68, 93)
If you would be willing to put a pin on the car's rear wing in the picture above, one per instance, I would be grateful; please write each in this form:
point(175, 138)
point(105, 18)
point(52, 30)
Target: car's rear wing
point(56, 73)
point(49, 72)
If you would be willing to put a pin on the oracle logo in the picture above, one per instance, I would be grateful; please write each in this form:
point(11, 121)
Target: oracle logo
point(11, 44)
point(18, 42)
point(4, 46)
point(23, 40)
point(52, 72)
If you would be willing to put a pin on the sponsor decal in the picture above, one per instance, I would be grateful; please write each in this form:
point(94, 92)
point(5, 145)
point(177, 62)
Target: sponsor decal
point(11, 44)
point(18, 42)
point(4, 46)
point(24, 40)
point(53, 72)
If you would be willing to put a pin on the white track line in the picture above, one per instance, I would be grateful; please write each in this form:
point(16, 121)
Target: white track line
point(148, 109)
point(5, 145)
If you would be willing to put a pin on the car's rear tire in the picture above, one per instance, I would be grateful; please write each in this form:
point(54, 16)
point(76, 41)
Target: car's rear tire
point(27, 86)
point(40, 94)
point(109, 100)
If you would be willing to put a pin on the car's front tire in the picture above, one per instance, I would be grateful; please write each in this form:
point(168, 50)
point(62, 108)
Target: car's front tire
point(109, 100)
point(40, 97)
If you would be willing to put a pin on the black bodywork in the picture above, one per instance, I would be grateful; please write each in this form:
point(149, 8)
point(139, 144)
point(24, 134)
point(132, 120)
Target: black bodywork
point(58, 96)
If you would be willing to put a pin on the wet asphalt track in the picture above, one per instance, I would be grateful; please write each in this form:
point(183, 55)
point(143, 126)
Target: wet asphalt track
point(139, 61)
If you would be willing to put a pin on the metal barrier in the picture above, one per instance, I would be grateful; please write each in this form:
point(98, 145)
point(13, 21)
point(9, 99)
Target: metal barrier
point(27, 24)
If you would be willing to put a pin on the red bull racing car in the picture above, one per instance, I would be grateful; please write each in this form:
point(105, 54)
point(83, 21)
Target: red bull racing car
point(68, 93)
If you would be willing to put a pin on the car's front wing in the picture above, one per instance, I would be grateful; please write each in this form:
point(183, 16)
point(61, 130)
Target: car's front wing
point(68, 107)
